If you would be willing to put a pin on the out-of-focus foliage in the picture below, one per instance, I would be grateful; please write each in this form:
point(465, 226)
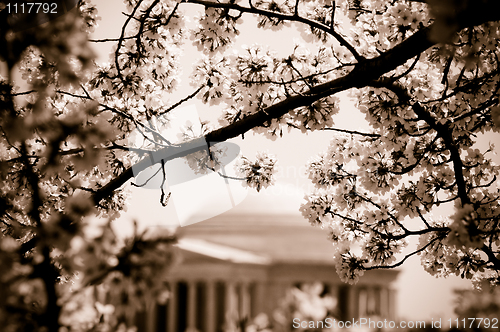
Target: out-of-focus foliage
point(484, 304)
point(59, 271)
point(425, 74)
point(306, 303)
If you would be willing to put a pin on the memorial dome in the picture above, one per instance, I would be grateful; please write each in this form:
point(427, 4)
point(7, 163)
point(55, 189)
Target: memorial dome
point(268, 224)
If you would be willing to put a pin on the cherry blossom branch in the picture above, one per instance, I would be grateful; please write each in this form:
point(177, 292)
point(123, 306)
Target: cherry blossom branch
point(406, 72)
point(33, 181)
point(113, 146)
point(332, 17)
point(362, 74)
point(353, 132)
point(135, 36)
point(442, 130)
point(283, 17)
point(122, 36)
point(143, 22)
point(392, 216)
point(19, 93)
point(49, 274)
point(296, 80)
point(163, 200)
point(404, 258)
point(422, 218)
point(399, 237)
point(484, 106)
point(296, 8)
point(183, 100)
point(408, 168)
point(491, 257)
point(473, 83)
point(137, 123)
point(165, 154)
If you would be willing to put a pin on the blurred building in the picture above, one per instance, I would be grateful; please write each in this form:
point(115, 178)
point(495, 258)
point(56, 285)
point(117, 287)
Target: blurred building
point(242, 263)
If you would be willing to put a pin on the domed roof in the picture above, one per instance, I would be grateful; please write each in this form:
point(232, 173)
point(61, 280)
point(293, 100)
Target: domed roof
point(276, 201)
point(267, 224)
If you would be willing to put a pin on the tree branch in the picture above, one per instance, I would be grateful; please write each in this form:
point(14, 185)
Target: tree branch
point(183, 100)
point(122, 36)
point(293, 18)
point(353, 132)
point(443, 131)
point(362, 74)
point(404, 258)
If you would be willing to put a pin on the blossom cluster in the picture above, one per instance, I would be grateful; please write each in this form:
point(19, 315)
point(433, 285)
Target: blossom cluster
point(258, 174)
point(422, 123)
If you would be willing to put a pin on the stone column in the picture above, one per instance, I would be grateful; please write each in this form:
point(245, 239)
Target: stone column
point(245, 301)
point(362, 298)
point(172, 307)
point(210, 307)
point(352, 303)
point(371, 304)
point(258, 305)
point(231, 302)
point(333, 291)
point(392, 304)
point(151, 315)
point(384, 302)
point(191, 306)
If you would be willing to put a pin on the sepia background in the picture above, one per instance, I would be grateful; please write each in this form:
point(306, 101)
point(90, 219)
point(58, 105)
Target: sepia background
point(419, 295)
